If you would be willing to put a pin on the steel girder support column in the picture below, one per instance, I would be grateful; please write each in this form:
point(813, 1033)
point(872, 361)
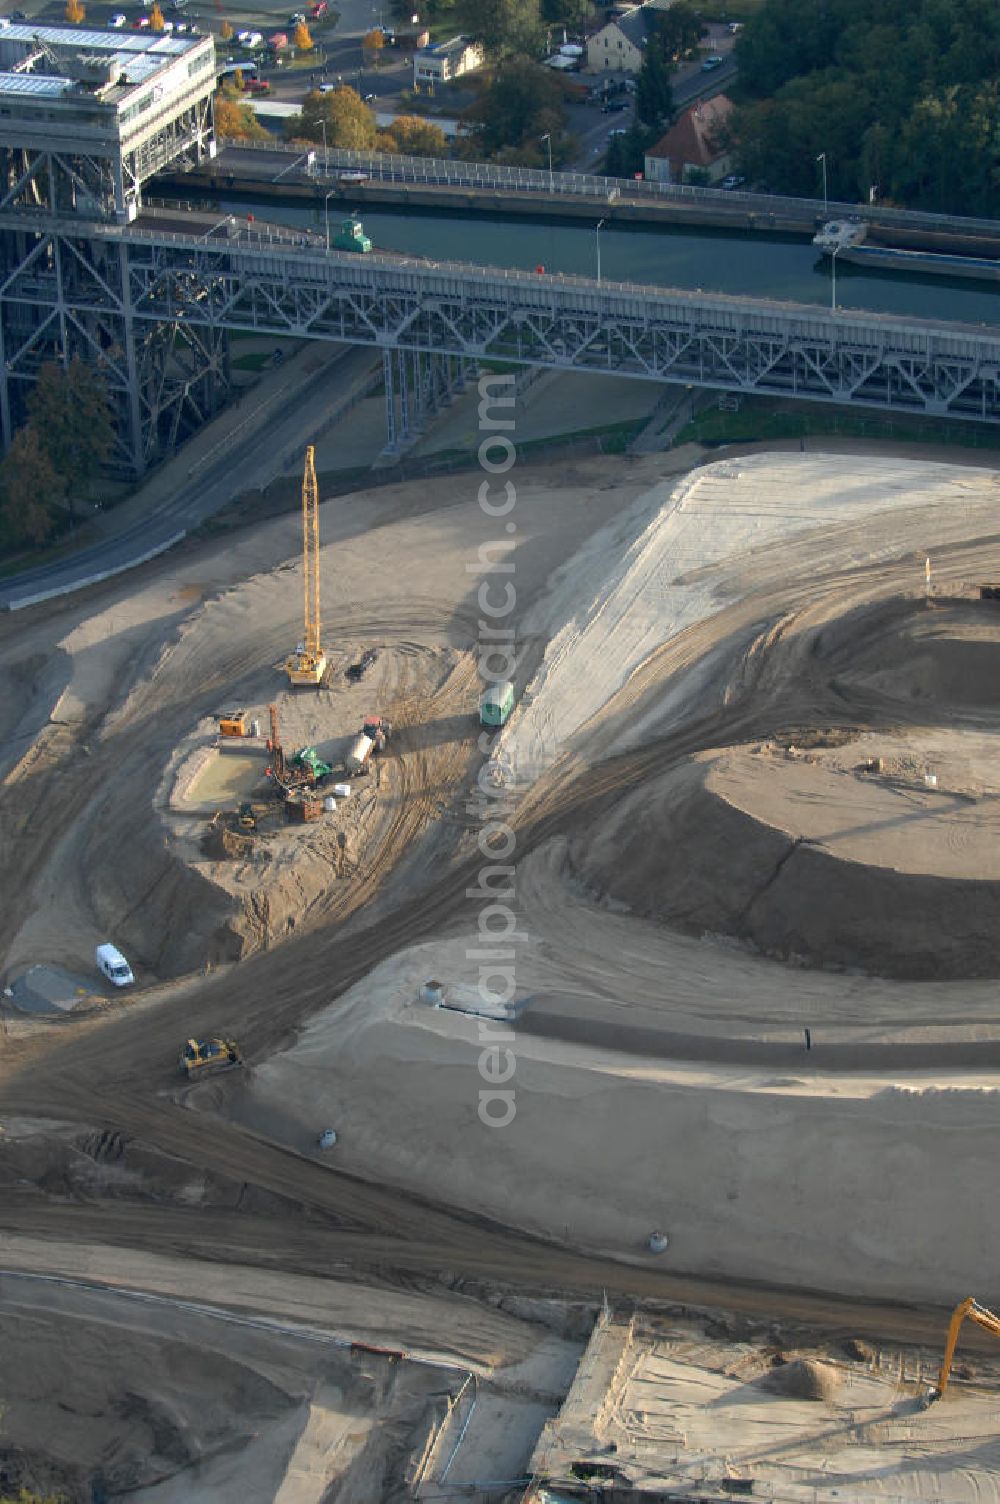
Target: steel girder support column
point(6, 427)
point(390, 400)
point(135, 438)
point(404, 396)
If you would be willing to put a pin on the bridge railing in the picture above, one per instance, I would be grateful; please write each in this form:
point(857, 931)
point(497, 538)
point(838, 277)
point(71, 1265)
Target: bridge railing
point(482, 176)
point(241, 237)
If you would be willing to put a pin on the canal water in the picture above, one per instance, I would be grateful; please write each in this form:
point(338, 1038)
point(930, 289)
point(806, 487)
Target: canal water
point(754, 265)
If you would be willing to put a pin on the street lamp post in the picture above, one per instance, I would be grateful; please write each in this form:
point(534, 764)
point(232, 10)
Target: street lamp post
point(822, 158)
point(597, 236)
point(833, 285)
point(548, 139)
point(326, 214)
point(326, 154)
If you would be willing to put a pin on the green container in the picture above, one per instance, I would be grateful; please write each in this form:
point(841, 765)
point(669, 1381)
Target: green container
point(352, 236)
point(496, 704)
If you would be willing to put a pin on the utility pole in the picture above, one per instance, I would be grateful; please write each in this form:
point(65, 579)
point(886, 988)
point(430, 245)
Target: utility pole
point(822, 158)
point(548, 138)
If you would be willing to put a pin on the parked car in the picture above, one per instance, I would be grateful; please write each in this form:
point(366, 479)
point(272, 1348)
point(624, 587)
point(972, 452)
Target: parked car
point(257, 86)
point(369, 99)
point(327, 88)
point(614, 107)
point(118, 20)
point(711, 63)
point(318, 10)
point(354, 177)
point(113, 965)
point(734, 180)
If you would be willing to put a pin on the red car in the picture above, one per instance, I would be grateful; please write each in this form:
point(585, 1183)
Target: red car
point(319, 9)
point(257, 86)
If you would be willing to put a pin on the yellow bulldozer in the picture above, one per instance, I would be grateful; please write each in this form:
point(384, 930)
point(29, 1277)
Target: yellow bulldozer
point(205, 1057)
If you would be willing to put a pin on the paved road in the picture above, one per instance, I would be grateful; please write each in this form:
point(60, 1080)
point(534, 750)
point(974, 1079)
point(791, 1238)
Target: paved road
point(690, 83)
point(259, 439)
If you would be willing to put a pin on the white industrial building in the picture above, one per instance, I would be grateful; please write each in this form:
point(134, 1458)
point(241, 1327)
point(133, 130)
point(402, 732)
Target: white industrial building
point(117, 106)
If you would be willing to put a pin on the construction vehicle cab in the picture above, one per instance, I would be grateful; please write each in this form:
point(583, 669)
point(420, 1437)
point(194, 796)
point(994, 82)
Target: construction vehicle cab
point(496, 704)
point(248, 820)
point(378, 729)
point(309, 760)
point(233, 723)
point(204, 1057)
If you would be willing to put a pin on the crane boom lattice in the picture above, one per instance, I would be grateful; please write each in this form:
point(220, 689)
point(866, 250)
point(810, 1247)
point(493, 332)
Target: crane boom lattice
point(310, 552)
point(308, 664)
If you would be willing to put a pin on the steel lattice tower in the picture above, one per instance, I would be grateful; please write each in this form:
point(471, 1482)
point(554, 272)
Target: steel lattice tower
point(86, 118)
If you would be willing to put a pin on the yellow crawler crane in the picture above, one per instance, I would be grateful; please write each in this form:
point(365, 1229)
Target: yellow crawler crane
point(975, 1312)
point(307, 664)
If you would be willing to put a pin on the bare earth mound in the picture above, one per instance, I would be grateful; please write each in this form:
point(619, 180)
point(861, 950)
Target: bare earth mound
point(802, 1379)
point(875, 850)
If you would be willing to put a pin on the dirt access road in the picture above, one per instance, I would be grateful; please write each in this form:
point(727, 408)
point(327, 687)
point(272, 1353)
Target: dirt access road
point(139, 668)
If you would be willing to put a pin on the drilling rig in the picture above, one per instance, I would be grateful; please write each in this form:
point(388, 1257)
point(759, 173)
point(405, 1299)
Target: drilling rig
point(307, 664)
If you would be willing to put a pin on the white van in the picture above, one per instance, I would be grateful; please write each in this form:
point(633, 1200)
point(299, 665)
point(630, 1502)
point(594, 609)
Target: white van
point(113, 965)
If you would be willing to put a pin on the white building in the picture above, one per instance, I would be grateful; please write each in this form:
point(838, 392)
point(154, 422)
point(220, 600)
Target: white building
point(619, 47)
point(443, 61)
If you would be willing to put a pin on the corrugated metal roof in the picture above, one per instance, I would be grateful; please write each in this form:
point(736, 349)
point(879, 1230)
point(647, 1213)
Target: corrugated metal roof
point(98, 41)
point(30, 83)
point(132, 58)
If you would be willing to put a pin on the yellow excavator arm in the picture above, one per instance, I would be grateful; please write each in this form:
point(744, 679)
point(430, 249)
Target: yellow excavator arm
point(975, 1312)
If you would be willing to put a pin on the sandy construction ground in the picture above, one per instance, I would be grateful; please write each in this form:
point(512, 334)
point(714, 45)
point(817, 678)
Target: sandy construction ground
point(750, 1001)
point(711, 1408)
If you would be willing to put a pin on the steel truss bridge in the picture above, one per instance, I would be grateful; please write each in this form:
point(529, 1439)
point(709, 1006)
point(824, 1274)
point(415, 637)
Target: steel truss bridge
point(124, 295)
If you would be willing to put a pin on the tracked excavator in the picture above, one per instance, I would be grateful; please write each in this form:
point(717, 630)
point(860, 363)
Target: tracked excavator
point(972, 1310)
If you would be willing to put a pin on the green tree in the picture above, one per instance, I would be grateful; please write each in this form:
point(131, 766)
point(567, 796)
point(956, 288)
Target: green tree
point(574, 13)
point(627, 154)
point(69, 409)
point(411, 136)
point(350, 124)
point(508, 27)
point(28, 1496)
point(896, 92)
point(678, 31)
point(31, 490)
point(522, 103)
point(654, 95)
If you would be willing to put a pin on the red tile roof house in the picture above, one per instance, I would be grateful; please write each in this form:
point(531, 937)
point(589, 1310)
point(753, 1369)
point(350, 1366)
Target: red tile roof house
point(692, 142)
